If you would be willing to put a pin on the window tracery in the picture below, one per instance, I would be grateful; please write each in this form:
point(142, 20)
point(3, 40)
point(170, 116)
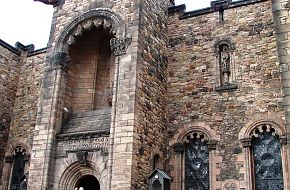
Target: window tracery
point(196, 163)
point(267, 160)
point(19, 176)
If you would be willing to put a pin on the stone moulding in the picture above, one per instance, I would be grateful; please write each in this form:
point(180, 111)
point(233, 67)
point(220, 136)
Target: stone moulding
point(119, 45)
point(82, 142)
point(99, 17)
point(104, 17)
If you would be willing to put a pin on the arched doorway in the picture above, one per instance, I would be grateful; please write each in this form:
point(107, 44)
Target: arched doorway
point(88, 182)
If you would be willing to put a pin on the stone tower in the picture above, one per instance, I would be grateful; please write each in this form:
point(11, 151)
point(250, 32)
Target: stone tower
point(128, 90)
point(102, 98)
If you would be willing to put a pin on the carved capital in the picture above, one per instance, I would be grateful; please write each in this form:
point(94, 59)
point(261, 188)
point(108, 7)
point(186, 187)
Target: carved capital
point(178, 147)
point(8, 159)
point(246, 142)
point(211, 144)
point(60, 60)
point(283, 140)
point(82, 157)
point(119, 45)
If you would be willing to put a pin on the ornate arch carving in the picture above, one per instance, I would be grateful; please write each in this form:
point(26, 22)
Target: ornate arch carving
point(99, 17)
point(199, 130)
point(276, 125)
point(74, 172)
point(224, 41)
point(19, 146)
point(104, 17)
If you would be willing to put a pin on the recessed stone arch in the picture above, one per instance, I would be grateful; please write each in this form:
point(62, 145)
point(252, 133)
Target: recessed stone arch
point(224, 41)
point(199, 128)
point(12, 147)
point(267, 120)
point(98, 17)
point(75, 172)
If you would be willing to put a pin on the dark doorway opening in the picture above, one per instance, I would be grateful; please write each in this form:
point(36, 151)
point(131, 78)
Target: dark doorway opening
point(88, 182)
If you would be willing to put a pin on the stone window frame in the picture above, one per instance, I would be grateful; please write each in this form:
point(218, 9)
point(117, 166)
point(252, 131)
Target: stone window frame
point(178, 146)
point(225, 41)
point(8, 167)
point(245, 138)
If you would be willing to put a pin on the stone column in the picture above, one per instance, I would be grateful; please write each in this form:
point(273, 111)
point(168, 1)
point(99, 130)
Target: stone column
point(46, 123)
point(282, 28)
point(122, 122)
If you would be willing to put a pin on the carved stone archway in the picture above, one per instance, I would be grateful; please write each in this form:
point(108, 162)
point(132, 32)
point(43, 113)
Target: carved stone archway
point(75, 172)
point(100, 17)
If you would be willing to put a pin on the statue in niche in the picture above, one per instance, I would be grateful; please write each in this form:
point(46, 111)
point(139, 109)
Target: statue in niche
point(225, 60)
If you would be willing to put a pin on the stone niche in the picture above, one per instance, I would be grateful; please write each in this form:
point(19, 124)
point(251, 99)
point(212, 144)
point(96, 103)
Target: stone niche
point(87, 96)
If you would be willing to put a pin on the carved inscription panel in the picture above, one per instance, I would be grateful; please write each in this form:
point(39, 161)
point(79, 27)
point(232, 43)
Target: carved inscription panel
point(71, 145)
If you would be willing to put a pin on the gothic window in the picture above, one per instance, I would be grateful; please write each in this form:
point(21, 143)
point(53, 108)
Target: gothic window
point(267, 161)
point(225, 67)
point(196, 164)
point(19, 177)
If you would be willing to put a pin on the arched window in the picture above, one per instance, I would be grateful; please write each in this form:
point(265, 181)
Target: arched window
point(267, 160)
point(194, 157)
point(196, 163)
point(264, 145)
point(18, 179)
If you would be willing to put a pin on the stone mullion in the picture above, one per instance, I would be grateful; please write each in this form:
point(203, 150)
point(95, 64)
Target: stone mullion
point(282, 28)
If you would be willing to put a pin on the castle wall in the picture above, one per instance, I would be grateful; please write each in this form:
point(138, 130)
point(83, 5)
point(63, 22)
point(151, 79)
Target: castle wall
point(194, 96)
point(151, 92)
point(24, 73)
point(9, 75)
point(52, 103)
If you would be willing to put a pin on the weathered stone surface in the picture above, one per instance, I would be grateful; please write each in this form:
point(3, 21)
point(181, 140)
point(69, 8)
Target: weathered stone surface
point(135, 84)
point(192, 82)
point(9, 76)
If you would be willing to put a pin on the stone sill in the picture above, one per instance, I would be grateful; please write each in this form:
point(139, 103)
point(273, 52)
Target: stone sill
point(228, 87)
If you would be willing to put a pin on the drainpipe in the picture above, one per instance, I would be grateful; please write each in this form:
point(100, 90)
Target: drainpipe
point(281, 17)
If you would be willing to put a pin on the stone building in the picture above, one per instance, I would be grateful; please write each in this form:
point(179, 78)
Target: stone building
point(126, 87)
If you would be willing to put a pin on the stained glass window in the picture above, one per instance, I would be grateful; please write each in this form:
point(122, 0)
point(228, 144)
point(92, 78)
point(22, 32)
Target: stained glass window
point(196, 165)
point(18, 171)
point(267, 162)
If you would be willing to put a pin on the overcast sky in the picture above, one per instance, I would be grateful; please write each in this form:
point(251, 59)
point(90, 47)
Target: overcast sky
point(29, 22)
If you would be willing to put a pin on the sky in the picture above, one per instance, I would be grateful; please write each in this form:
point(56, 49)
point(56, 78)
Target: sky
point(29, 22)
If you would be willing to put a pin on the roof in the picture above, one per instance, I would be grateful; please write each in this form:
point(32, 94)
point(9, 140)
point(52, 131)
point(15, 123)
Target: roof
point(160, 172)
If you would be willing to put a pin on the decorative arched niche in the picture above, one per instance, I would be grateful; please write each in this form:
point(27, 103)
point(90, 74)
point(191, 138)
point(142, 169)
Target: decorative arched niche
point(194, 146)
point(86, 54)
point(264, 143)
point(225, 64)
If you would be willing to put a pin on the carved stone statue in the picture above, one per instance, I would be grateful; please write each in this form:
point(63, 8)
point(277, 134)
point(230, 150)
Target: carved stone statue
point(225, 61)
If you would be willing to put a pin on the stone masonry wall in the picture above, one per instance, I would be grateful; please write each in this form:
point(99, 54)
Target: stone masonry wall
point(151, 92)
point(24, 112)
point(25, 108)
point(50, 107)
point(9, 74)
point(191, 76)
